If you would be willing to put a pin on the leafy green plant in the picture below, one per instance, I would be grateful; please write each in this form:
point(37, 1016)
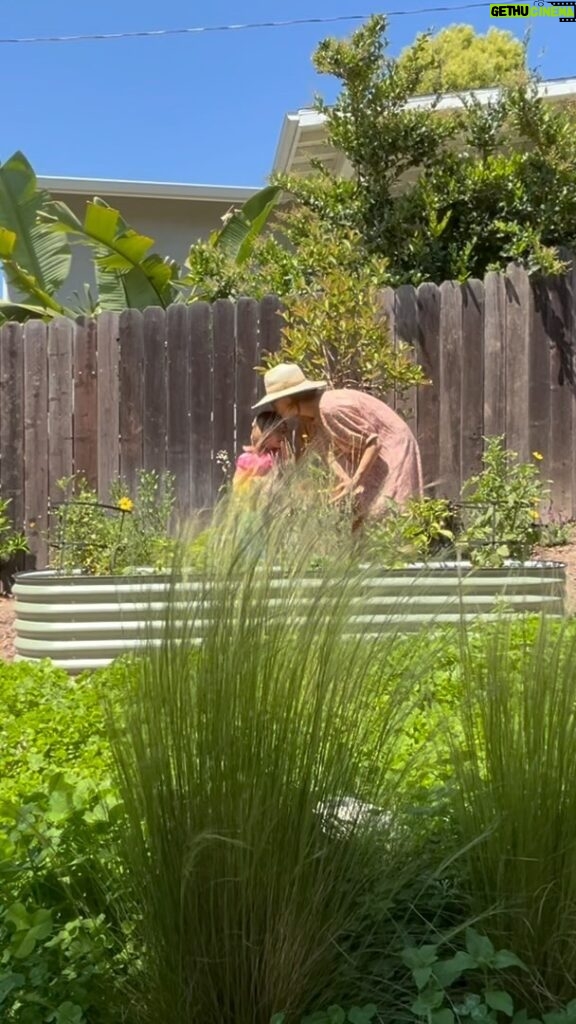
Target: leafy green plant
point(127, 535)
point(501, 506)
point(468, 984)
point(64, 952)
point(12, 543)
point(333, 330)
point(417, 532)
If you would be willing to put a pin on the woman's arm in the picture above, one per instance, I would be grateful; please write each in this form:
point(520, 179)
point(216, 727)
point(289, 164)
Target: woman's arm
point(351, 485)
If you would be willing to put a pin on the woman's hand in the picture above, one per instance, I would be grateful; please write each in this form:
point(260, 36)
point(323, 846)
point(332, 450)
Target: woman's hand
point(346, 489)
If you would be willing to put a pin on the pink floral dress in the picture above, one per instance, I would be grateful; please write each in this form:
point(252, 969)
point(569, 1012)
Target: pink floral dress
point(349, 419)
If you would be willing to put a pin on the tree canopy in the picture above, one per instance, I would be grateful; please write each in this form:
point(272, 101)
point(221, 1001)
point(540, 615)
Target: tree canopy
point(459, 58)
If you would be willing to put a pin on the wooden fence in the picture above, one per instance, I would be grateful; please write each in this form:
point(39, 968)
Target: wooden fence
point(169, 389)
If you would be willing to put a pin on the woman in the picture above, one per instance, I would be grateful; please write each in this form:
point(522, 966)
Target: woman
point(371, 449)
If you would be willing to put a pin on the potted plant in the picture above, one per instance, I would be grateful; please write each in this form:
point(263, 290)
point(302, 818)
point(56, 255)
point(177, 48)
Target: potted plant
point(108, 570)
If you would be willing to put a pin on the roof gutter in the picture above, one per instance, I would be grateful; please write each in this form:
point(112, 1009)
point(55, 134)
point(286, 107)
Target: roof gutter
point(147, 189)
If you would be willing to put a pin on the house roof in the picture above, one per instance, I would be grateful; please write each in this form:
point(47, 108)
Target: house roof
point(147, 189)
point(303, 136)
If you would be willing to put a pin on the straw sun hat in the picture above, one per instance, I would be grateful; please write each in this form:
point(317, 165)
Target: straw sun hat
point(285, 380)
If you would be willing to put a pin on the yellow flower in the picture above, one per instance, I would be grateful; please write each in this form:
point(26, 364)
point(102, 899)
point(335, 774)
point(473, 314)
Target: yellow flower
point(538, 456)
point(126, 504)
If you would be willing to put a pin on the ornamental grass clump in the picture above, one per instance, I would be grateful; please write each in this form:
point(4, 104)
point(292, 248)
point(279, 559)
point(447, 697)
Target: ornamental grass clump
point(515, 798)
point(263, 795)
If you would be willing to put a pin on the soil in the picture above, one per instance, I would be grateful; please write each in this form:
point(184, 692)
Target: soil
point(7, 628)
point(565, 553)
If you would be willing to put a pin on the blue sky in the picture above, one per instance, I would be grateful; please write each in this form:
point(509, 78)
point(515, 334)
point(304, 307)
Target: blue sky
point(202, 108)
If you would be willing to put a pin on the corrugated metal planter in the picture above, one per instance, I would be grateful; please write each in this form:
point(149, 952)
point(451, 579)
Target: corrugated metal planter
point(84, 622)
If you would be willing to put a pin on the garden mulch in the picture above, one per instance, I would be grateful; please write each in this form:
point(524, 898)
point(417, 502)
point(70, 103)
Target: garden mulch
point(565, 553)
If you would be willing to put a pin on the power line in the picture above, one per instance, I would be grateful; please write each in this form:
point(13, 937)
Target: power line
point(155, 33)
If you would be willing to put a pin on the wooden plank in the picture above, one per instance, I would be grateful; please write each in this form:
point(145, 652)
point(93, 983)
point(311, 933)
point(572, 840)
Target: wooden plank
point(428, 395)
point(559, 468)
point(131, 381)
point(517, 354)
point(494, 355)
point(108, 403)
point(270, 324)
point(539, 366)
point(386, 302)
point(406, 333)
point(60, 405)
point(12, 420)
point(179, 437)
point(36, 439)
point(472, 429)
point(247, 359)
point(450, 387)
point(86, 402)
point(155, 412)
point(201, 406)
point(224, 388)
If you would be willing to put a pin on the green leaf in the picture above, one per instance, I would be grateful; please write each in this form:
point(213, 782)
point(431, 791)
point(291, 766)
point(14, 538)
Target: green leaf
point(362, 1014)
point(447, 971)
point(36, 254)
point(504, 958)
point(278, 1018)
point(500, 1001)
point(421, 976)
point(429, 999)
point(336, 1015)
point(420, 956)
point(444, 1016)
point(18, 916)
point(67, 1013)
point(9, 982)
point(21, 311)
point(479, 946)
point(126, 276)
point(241, 230)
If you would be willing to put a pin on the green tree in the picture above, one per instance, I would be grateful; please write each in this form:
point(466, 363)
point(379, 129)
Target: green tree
point(451, 195)
point(459, 58)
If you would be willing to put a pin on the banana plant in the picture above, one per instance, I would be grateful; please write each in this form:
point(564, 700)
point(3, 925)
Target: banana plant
point(236, 240)
point(244, 226)
point(127, 274)
point(36, 263)
point(35, 253)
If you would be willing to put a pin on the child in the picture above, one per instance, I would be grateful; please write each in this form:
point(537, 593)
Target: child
point(267, 449)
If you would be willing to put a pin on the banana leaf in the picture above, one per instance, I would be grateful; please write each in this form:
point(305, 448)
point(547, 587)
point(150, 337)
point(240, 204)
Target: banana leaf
point(126, 274)
point(36, 262)
point(26, 283)
point(245, 225)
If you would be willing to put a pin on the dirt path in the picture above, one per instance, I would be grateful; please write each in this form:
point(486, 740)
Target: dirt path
point(6, 628)
point(566, 553)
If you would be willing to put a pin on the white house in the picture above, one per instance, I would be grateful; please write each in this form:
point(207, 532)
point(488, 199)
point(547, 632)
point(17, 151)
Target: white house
point(303, 136)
